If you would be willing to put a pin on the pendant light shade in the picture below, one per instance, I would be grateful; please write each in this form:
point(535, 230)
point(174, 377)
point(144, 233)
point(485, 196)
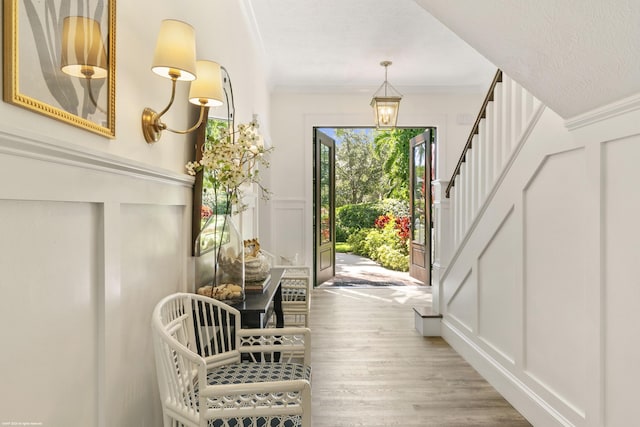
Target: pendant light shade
point(386, 103)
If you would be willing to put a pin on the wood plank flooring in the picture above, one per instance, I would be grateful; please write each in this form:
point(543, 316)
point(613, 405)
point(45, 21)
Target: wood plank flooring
point(371, 368)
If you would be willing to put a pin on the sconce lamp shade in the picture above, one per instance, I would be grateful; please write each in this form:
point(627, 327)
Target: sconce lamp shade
point(385, 110)
point(175, 54)
point(206, 89)
point(83, 53)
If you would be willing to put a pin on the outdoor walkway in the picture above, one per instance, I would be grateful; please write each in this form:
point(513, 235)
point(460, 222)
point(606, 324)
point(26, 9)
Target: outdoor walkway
point(357, 268)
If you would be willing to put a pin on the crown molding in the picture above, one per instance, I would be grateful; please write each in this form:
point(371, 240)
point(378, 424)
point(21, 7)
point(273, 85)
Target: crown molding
point(608, 111)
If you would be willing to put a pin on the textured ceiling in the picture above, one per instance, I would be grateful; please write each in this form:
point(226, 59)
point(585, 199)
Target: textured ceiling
point(574, 55)
point(329, 45)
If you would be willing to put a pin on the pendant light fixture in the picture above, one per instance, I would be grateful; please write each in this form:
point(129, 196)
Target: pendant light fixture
point(386, 102)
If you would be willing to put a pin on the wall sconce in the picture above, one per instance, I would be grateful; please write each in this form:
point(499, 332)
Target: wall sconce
point(175, 59)
point(83, 53)
point(385, 107)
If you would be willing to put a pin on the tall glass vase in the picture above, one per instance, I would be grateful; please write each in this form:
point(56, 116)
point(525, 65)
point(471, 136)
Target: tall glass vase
point(220, 260)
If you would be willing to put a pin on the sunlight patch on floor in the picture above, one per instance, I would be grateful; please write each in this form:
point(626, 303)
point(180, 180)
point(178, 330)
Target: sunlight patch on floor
point(389, 294)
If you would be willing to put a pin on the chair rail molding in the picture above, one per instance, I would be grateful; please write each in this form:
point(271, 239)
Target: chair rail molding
point(25, 144)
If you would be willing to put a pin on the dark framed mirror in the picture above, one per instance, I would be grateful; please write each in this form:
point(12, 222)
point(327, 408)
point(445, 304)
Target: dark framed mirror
point(219, 119)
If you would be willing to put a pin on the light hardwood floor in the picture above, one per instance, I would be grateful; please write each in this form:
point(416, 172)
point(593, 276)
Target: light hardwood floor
point(371, 368)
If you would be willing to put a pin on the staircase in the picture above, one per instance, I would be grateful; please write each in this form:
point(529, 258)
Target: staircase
point(507, 115)
point(536, 255)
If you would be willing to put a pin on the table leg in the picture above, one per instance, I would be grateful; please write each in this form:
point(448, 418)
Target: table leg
point(277, 308)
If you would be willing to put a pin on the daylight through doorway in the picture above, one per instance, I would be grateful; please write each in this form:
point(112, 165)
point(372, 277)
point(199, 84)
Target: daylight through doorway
point(365, 240)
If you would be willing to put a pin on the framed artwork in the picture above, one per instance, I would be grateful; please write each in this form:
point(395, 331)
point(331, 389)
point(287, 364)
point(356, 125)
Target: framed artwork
point(59, 60)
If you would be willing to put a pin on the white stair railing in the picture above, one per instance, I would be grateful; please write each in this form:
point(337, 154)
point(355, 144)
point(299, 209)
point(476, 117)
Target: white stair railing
point(506, 114)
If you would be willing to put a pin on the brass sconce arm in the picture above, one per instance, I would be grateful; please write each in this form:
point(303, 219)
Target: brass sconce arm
point(152, 127)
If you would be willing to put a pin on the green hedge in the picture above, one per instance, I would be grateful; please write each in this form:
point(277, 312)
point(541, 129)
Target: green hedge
point(351, 218)
point(382, 245)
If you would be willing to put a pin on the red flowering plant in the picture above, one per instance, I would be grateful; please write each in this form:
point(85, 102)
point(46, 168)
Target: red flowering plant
point(402, 226)
point(382, 221)
point(396, 229)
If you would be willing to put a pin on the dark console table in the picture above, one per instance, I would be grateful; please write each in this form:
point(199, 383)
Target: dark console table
point(257, 308)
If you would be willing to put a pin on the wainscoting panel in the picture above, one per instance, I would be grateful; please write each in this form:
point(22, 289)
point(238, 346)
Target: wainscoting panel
point(151, 241)
point(554, 272)
point(622, 295)
point(88, 245)
point(288, 233)
point(462, 304)
point(555, 254)
point(49, 326)
point(498, 282)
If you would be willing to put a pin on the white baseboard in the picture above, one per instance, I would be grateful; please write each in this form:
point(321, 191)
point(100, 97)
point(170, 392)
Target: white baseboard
point(535, 409)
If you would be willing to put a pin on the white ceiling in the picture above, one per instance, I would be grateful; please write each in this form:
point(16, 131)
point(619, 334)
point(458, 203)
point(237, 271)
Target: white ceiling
point(337, 45)
point(574, 55)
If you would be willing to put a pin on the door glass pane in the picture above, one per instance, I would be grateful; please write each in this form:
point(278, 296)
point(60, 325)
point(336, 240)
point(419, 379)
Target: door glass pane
point(418, 215)
point(433, 197)
point(325, 194)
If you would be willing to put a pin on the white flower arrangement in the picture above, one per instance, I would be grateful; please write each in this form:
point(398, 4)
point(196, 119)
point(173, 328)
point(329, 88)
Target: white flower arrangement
point(229, 161)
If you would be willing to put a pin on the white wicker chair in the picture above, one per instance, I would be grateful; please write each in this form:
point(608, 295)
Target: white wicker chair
point(296, 295)
point(199, 345)
point(296, 290)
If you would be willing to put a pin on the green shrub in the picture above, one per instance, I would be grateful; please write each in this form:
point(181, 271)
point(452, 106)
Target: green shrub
point(392, 258)
point(371, 229)
point(358, 216)
point(342, 233)
point(363, 215)
point(357, 242)
point(343, 247)
point(382, 245)
point(377, 238)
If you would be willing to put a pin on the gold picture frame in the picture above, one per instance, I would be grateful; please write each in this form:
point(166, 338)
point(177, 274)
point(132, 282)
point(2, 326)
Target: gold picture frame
point(59, 60)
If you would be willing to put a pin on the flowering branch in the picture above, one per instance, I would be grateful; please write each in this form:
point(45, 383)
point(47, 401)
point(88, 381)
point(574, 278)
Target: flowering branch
point(230, 161)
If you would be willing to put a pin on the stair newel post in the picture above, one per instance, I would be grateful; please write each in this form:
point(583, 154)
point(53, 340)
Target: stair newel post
point(443, 229)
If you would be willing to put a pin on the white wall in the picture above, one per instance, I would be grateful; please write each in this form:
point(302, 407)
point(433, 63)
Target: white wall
point(221, 35)
point(93, 232)
point(287, 229)
point(542, 296)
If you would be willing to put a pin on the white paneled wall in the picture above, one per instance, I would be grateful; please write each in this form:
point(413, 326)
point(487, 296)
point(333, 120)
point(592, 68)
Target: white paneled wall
point(288, 229)
point(620, 288)
point(89, 245)
point(47, 301)
point(541, 292)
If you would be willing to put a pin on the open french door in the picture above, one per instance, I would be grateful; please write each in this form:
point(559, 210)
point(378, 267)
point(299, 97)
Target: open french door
point(324, 207)
point(420, 206)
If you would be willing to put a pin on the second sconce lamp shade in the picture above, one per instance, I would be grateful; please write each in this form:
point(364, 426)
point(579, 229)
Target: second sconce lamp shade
point(175, 59)
point(206, 90)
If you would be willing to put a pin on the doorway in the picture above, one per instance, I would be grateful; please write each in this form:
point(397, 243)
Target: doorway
point(324, 207)
point(395, 218)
